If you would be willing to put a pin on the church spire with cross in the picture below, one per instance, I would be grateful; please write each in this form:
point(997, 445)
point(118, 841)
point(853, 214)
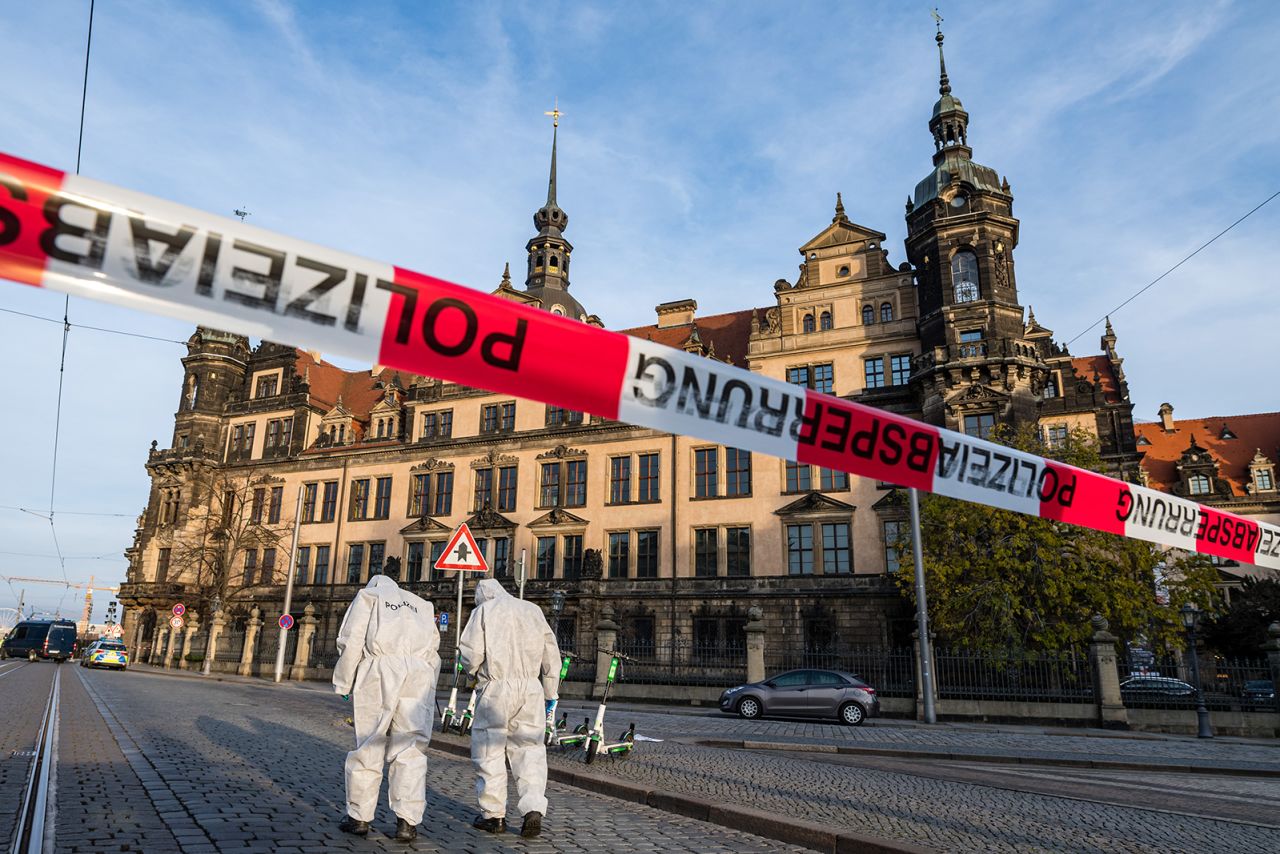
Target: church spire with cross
point(949, 123)
point(549, 251)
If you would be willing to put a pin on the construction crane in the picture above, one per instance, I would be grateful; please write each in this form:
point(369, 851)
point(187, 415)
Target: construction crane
point(87, 588)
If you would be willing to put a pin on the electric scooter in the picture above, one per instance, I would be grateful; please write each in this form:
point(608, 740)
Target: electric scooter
point(595, 741)
point(446, 719)
point(555, 727)
point(463, 724)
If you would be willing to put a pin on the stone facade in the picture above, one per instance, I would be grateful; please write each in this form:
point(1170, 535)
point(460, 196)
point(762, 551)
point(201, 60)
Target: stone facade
point(677, 537)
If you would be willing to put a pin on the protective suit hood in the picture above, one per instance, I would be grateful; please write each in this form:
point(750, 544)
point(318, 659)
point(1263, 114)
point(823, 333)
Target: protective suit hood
point(488, 589)
point(381, 582)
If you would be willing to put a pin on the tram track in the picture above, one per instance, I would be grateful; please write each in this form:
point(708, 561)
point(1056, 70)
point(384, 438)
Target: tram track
point(35, 825)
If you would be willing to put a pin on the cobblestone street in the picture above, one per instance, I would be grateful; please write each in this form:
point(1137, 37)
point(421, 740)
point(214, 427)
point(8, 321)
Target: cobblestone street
point(148, 761)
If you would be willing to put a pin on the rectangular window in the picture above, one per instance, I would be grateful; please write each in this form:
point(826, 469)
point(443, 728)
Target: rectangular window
point(437, 425)
point(546, 557)
point(322, 565)
point(705, 554)
point(418, 490)
point(737, 469)
point(484, 489)
point(979, 426)
point(646, 554)
point(619, 554)
point(273, 435)
point(359, 499)
point(800, 549)
point(382, 499)
point(286, 433)
point(737, 551)
point(558, 417)
point(377, 553)
point(273, 507)
point(836, 556)
point(550, 494)
point(798, 376)
point(1056, 435)
point(501, 557)
point(619, 480)
point(268, 566)
point(309, 502)
point(817, 377)
point(249, 430)
point(355, 562)
point(255, 512)
point(507, 488)
point(414, 562)
point(833, 480)
point(892, 536)
point(799, 477)
point(575, 487)
point(572, 555)
point(237, 440)
point(971, 344)
point(162, 566)
point(437, 549)
point(900, 369)
point(649, 477)
point(508, 417)
point(444, 494)
point(489, 418)
point(1262, 477)
point(250, 566)
point(301, 565)
point(706, 472)
point(267, 386)
point(875, 372)
point(329, 505)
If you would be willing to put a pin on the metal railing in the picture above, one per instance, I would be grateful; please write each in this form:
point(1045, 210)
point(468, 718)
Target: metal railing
point(891, 671)
point(683, 663)
point(1041, 677)
point(1147, 682)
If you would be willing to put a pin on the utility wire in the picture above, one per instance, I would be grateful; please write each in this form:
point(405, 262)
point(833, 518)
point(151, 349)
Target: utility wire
point(92, 328)
point(1153, 282)
point(44, 515)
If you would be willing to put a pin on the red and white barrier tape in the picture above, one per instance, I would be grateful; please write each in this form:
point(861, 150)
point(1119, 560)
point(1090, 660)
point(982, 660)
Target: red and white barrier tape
point(90, 239)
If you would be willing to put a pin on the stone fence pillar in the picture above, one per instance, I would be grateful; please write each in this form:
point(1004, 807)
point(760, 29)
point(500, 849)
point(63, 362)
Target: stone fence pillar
point(755, 645)
point(215, 632)
point(1272, 648)
point(250, 641)
point(306, 634)
point(175, 644)
point(606, 639)
point(919, 680)
point(158, 648)
point(1106, 678)
point(193, 626)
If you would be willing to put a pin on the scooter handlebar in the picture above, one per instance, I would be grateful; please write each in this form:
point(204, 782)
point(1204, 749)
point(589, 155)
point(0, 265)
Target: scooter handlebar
point(613, 653)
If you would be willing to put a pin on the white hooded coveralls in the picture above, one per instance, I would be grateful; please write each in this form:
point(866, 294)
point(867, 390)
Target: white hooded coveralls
point(508, 646)
point(388, 662)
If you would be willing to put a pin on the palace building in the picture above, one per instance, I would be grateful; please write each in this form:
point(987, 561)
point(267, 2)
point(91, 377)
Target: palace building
point(674, 537)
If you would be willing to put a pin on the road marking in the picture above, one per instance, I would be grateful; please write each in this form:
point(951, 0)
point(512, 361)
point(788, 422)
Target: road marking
point(35, 819)
point(12, 666)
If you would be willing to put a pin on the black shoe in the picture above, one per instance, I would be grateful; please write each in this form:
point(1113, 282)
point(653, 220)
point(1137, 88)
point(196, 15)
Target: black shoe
point(490, 825)
point(532, 825)
point(405, 832)
point(354, 825)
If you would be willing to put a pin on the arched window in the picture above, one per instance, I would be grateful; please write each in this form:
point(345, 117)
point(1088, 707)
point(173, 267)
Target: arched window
point(886, 312)
point(1198, 484)
point(964, 276)
point(868, 315)
point(555, 262)
point(539, 261)
point(807, 323)
point(824, 321)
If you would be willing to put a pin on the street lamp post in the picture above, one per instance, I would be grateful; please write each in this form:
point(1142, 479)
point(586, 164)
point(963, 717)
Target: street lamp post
point(557, 605)
point(1190, 621)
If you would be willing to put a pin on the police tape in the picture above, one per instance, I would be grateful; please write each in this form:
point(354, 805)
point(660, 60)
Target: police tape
point(79, 236)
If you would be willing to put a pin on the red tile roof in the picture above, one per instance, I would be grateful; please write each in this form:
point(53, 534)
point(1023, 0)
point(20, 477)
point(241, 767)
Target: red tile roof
point(1252, 432)
point(1085, 367)
point(357, 388)
point(726, 333)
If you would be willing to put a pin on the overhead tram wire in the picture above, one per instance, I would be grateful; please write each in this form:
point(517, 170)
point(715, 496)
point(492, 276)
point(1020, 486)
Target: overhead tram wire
point(1154, 281)
point(66, 320)
point(92, 328)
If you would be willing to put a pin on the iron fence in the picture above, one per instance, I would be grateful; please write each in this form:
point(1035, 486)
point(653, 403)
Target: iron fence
point(1166, 683)
point(681, 662)
point(891, 671)
point(230, 645)
point(1041, 677)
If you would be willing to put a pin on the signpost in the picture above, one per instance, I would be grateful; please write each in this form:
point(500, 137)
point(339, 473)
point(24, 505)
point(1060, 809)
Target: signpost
point(288, 589)
point(460, 555)
point(179, 609)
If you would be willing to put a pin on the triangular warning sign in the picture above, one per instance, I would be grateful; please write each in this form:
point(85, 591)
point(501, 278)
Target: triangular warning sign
point(462, 553)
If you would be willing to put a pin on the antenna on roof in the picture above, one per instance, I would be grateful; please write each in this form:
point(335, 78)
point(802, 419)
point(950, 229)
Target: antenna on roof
point(242, 213)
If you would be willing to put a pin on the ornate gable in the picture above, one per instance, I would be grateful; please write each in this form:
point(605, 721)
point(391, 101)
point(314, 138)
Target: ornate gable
point(815, 503)
point(559, 517)
point(424, 526)
point(488, 519)
point(562, 452)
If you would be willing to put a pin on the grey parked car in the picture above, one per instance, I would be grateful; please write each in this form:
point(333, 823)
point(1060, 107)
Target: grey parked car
point(805, 693)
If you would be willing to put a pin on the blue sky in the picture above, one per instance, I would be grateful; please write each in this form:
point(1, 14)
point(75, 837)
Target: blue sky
point(702, 144)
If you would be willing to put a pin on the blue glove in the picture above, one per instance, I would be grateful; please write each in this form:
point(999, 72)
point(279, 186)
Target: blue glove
point(551, 704)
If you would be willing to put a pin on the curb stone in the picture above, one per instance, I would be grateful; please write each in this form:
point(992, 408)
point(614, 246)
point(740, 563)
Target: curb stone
point(735, 817)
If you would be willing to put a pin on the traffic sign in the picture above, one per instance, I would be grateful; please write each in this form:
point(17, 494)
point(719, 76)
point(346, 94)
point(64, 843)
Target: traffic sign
point(286, 621)
point(176, 621)
point(179, 609)
point(462, 553)
point(444, 620)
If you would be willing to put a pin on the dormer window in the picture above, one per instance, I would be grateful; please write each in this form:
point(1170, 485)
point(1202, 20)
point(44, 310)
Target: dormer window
point(1050, 388)
point(964, 277)
point(1264, 480)
point(267, 386)
point(1198, 484)
point(1226, 433)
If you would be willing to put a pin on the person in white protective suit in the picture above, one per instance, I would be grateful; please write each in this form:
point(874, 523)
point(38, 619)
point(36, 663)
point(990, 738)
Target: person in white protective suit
point(509, 648)
point(388, 663)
